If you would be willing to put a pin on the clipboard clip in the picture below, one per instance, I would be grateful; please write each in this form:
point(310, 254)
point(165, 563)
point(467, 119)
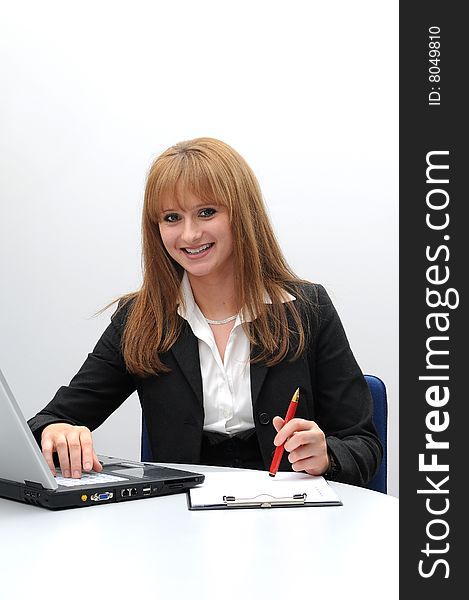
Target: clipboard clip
point(265, 501)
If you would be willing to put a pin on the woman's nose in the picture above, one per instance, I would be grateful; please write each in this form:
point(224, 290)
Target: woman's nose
point(192, 232)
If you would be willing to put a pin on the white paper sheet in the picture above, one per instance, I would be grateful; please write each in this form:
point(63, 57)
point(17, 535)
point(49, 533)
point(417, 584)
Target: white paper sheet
point(258, 484)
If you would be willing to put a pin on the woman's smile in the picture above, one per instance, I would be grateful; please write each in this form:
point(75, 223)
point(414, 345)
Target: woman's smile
point(198, 252)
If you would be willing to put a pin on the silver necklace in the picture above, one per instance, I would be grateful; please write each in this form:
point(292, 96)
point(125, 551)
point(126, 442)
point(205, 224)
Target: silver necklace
point(221, 321)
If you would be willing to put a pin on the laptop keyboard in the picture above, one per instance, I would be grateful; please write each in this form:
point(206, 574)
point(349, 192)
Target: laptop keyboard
point(88, 479)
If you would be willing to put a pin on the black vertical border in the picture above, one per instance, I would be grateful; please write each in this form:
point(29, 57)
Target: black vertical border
point(425, 128)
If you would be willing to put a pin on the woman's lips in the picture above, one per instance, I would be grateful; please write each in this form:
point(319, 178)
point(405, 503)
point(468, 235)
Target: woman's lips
point(197, 251)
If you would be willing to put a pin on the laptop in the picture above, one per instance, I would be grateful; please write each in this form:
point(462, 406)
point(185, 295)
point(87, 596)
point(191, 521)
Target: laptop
point(25, 475)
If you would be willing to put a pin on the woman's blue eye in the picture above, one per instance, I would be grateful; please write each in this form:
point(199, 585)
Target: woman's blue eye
point(207, 212)
point(171, 218)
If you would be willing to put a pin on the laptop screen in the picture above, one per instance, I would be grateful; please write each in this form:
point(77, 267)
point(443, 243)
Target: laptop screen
point(20, 457)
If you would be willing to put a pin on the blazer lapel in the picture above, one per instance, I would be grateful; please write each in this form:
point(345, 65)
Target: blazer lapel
point(186, 353)
point(258, 373)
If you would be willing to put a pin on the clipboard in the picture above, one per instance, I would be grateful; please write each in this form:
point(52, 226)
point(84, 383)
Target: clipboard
point(255, 489)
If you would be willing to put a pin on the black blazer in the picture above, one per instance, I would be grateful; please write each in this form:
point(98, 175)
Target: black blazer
point(334, 393)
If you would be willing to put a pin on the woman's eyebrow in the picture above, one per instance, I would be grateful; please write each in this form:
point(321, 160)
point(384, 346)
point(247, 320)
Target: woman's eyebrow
point(195, 207)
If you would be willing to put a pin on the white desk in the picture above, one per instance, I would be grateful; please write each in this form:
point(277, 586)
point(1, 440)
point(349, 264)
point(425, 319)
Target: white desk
point(156, 548)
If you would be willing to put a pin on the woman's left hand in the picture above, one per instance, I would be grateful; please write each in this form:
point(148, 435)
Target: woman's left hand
point(306, 444)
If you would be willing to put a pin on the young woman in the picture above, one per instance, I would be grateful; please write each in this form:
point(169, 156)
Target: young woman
point(217, 340)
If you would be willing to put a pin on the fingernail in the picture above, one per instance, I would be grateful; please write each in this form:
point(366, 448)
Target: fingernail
point(87, 466)
point(76, 474)
point(66, 473)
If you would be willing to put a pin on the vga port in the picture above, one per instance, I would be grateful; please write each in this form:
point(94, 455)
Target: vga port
point(101, 496)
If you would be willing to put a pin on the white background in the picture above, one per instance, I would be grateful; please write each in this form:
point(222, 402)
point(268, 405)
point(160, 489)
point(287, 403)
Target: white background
point(93, 91)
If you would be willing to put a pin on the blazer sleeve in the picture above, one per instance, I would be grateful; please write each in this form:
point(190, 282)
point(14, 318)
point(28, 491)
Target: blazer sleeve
point(343, 403)
point(97, 390)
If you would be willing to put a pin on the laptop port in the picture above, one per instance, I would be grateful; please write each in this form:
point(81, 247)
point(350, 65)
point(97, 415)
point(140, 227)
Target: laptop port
point(99, 497)
point(146, 491)
point(129, 492)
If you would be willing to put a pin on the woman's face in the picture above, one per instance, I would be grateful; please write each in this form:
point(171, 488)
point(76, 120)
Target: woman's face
point(198, 237)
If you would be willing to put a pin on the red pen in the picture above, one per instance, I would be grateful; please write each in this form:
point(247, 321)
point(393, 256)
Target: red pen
point(288, 417)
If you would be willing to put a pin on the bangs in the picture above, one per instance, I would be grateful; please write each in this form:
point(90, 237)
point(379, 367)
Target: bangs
point(174, 175)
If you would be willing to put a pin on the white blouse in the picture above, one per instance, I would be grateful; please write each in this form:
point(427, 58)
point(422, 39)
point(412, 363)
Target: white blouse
point(226, 384)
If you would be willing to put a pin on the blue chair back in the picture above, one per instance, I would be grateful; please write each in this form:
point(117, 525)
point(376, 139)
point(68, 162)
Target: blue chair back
point(145, 450)
point(380, 419)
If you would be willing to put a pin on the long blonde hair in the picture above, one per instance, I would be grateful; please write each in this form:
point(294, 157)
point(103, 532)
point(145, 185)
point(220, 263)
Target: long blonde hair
point(216, 173)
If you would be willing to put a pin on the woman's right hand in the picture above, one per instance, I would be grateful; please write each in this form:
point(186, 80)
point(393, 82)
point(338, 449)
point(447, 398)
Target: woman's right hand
point(74, 447)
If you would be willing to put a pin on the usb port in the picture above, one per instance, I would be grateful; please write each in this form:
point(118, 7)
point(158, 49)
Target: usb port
point(146, 491)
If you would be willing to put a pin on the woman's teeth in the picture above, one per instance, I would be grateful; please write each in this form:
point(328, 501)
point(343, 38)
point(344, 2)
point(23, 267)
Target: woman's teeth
point(197, 250)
